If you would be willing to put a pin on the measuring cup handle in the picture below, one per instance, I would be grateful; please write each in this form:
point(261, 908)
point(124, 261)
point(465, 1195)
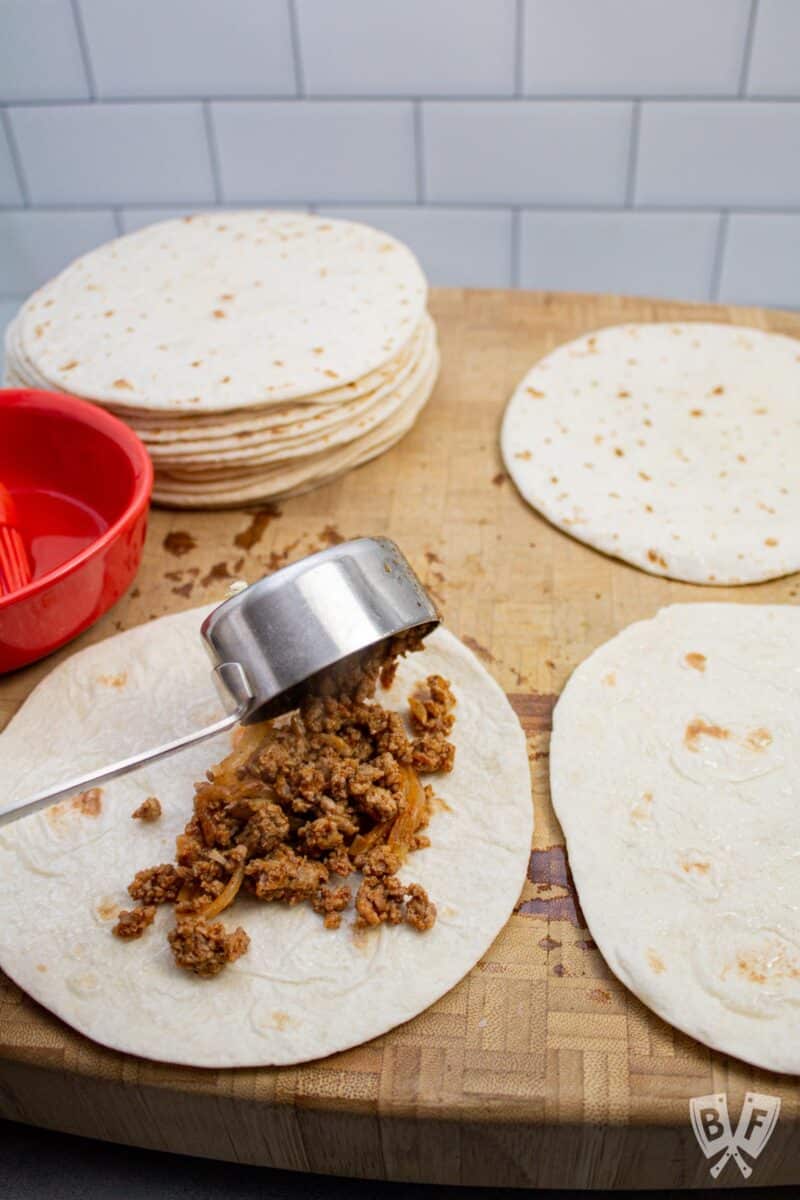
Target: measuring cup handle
point(234, 686)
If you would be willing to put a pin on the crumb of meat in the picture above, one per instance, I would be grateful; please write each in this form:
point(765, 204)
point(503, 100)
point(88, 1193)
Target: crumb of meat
point(385, 899)
point(420, 911)
point(330, 903)
point(148, 810)
point(379, 862)
point(380, 900)
point(285, 875)
point(432, 752)
point(156, 885)
point(332, 789)
point(131, 923)
point(205, 949)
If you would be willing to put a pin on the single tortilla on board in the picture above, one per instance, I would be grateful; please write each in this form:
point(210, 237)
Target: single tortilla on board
point(673, 447)
point(674, 771)
point(301, 991)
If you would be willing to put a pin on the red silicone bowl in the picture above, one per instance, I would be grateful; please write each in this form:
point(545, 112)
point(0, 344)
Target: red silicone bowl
point(81, 483)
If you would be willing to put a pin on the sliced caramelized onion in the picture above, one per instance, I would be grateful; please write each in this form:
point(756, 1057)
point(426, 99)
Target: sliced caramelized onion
point(226, 896)
point(413, 815)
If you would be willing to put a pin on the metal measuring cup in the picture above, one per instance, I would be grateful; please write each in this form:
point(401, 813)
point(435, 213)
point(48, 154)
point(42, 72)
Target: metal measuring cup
point(274, 642)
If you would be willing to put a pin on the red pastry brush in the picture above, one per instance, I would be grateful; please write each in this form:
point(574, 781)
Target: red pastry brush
point(15, 566)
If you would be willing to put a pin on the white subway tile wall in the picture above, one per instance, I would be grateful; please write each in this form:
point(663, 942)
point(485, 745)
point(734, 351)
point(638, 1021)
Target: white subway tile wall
point(641, 146)
point(407, 47)
point(305, 150)
point(634, 47)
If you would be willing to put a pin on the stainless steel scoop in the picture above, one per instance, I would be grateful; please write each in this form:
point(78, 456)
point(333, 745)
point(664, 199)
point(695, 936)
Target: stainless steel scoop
point(275, 641)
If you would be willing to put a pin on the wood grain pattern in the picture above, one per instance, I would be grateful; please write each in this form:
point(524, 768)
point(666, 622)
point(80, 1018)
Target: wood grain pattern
point(539, 1068)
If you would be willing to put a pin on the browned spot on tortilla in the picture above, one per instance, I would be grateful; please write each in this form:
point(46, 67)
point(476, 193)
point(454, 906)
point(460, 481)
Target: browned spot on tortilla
point(107, 908)
point(641, 810)
point(702, 868)
point(535, 393)
point(560, 970)
point(281, 1020)
point(41, 967)
point(655, 962)
point(71, 365)
point(217, 572)
point(654, 557)
point(757, 740)
point(184, 589)
point(89, 803)
point(479, 649)
point(719, 390)
point(623, 395)
point(548, 943)
point(610, 680)
point(525, 455)
point(499, 478)
point(136, 593)
point(643, 475)
point(259, 522)
point(431, 557)
point(122, 385)
point(549, 871)
point(699, 728)
point(318, 349)
point(620, 453)
point(219, 313)
point(179, 542)
point(750, 971)
point(696, 412)
point(600, 995)
point(695, 660)
point(331, 374)
point(115, 681)
point(770, 541)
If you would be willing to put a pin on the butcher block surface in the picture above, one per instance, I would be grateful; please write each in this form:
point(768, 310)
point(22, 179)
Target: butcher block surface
point(539, 1068)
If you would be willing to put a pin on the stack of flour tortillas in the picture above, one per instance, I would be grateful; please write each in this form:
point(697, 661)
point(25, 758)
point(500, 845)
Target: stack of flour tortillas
point(674, 447)
point(257, 354)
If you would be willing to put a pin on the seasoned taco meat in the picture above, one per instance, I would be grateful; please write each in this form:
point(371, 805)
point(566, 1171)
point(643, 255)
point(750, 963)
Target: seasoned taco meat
point(300, 804)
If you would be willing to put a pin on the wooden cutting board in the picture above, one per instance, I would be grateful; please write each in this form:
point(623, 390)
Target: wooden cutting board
point(539, 1068)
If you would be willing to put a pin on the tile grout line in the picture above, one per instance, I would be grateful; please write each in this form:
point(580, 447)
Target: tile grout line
point(297, 52)
point(83, 43)
point(633, 155)
point(569, 208)
point(16, 157)
point(747, 52)
point(519, 46)
point(467, 98)
point(419, 152)
point(719, 257)
point(213, 150)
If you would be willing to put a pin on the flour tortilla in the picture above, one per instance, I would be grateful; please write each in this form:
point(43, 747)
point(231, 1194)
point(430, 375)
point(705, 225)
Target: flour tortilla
point(323, 429)
point(301, 991)
point(280, 304)
point(296, 476)
point(685, 860)
point(332, 404)
point(673, 447)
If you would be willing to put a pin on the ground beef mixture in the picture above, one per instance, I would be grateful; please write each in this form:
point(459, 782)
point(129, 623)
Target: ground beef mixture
point(302, 804)
point(148, 810)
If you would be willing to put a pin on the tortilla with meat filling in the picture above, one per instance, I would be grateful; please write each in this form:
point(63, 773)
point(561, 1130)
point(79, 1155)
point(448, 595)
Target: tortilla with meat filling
point(300, 991)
